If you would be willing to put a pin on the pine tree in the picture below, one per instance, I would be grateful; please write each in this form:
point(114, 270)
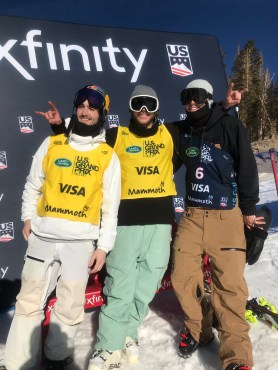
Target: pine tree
point(273, 106)
point(265, 100)
point(247, 71)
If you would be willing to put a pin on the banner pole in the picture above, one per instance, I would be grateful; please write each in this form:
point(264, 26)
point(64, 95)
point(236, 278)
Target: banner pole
point(273, 153)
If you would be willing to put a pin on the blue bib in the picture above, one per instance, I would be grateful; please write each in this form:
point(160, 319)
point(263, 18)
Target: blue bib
point(210, 175)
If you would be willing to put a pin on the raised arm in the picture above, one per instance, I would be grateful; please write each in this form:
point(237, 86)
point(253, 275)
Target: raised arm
point(52, 115)
point(233, 97)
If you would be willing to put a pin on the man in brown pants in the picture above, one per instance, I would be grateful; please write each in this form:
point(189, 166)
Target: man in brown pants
point(221, 195)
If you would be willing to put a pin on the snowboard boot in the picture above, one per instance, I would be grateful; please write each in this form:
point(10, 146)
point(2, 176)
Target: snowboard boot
point(188, 344)
point(57, 365)
point(131, 351)
point(234, 366)
point(105, 360)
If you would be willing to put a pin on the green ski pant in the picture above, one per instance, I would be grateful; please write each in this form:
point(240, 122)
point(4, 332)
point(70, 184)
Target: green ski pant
point(135, 267)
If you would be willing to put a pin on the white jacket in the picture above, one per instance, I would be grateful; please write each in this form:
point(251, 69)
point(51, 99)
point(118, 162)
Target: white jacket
point(66, 230)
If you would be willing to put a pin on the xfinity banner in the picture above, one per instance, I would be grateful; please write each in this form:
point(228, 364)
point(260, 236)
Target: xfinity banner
point(42, 61)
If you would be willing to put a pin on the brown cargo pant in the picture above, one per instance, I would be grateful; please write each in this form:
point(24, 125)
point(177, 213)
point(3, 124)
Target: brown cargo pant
point(220, 234)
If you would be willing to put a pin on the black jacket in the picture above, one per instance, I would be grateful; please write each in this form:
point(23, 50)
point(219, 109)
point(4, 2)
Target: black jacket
point(229, 132)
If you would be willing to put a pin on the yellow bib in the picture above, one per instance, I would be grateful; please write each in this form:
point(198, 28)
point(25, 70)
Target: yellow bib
point(73, 181)
point(146, 164)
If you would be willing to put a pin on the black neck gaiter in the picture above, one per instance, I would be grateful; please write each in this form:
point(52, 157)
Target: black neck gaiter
point(200, 117)
point(141, 131)
point(82, 129)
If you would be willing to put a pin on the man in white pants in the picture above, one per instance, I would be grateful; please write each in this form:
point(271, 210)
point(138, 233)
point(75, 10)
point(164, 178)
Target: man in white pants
point(70, 206)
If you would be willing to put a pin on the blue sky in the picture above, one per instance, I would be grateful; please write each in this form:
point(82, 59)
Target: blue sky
point(232, 22)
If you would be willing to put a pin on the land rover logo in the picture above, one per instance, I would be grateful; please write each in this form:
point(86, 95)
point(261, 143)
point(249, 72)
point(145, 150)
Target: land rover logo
point(133, 149)
point(63, 162)
point(192, 152)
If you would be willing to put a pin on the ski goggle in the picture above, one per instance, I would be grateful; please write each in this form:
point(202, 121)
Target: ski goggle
point(198, 95)
point(95, 95)
point(137, 103)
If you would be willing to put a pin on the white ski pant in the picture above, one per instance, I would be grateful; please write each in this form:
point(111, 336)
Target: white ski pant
point(48, 265)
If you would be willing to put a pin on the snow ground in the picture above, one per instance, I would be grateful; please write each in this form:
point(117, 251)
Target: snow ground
point(158, 334)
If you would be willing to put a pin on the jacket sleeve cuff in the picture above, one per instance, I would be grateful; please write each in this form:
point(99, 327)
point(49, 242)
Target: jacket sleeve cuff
point(248, 210)
point(106, 250)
